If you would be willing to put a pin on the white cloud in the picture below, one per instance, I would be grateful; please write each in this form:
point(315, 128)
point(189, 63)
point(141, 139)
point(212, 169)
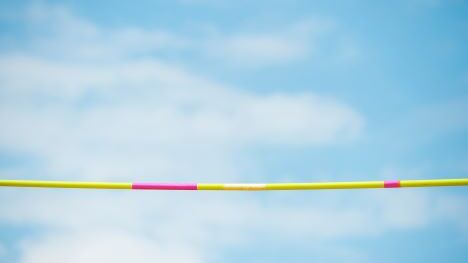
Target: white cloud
point(150, 108)
point(253, 49)
point(112, 246)
point(59, 33)
point(192, 224)
point(297, 42)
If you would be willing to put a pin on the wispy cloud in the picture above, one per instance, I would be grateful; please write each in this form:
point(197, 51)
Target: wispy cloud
point(200, 223)
point(115, 246)
point(59, 33)
point(297, 42)
point(63, 34)
point(145, 105)
point(72, 110)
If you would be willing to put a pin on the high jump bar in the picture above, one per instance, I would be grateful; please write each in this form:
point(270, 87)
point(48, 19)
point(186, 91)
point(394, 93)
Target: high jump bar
point(235, 186)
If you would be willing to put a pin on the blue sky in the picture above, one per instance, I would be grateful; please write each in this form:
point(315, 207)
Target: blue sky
point(233, 91)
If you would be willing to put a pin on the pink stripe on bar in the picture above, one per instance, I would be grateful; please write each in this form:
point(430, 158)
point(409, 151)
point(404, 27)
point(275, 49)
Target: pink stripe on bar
point(391, 184)
point(162, 186)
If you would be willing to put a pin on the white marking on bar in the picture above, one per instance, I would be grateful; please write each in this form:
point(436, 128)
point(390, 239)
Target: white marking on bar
point(251, 187)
